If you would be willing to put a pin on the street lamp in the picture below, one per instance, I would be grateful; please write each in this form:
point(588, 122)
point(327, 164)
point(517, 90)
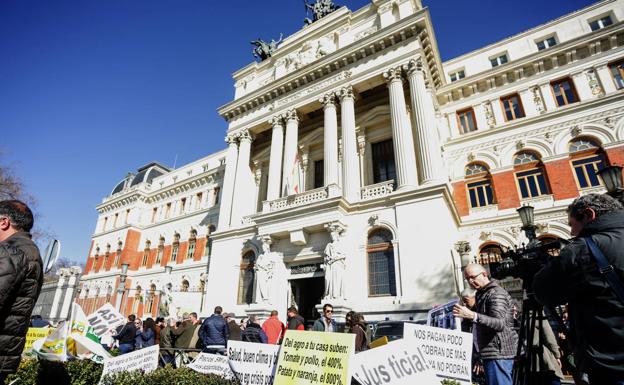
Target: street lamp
point(612, 178)
point(528, 225)
point(121, 289)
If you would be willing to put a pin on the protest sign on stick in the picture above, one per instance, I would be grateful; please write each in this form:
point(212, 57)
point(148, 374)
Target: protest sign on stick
point(315, 358)
point(34, 334)
point(104, 319)
point(399, 362)
point(252, 363)
point(145, 359)
point(448, 352)
point(212, 364)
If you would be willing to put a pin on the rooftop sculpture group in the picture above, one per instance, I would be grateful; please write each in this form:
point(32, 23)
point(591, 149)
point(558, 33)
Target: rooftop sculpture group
point(264, 50)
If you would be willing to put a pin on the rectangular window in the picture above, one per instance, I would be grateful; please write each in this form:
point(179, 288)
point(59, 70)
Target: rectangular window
point(617, 71)
point(457, 75)
point(174, 252)
point(159, 254)
point(105, 222)
point(127, 215)
point(480, 193)
point(499, 60)
point(198, 201)
point(597, 24)
point(191, 250)
point(546, 43)
point(512, 106)
point(116, 262)
point(564, 92)
point(466, 121)
point(167, 210)
point(319, 173)
point(217, 190)
point(182, 205)
point(144, 260)
point(381, 274)
point(532, 183)
point(115, 220)
point(586, 171)
point(383, 161)
point(154, 212)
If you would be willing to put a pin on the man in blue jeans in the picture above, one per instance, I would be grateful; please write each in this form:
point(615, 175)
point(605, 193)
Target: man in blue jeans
point(125, 335)
point(495, 339)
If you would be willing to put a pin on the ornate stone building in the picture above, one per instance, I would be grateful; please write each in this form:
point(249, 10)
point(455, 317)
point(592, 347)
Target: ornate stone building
point(361, 170)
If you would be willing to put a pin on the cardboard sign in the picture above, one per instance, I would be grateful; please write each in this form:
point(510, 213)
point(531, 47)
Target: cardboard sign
point(104, 319)
point(145, 360)
point(398, 363)
point(34, 334)
point(212, 364)
point(315, 358)
point(442, 317)
point(448, 352)
point(252, 363)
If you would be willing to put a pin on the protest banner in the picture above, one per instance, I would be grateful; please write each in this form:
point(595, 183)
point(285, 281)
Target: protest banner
point(252, 363)
point(104, 319)
point(381, 341)
point(308, 358)
point(212, 364)
point(54, 346)
point(448, 352)
point(145, 360)
point(442, 317)
point(34, 334)
point(399, 362)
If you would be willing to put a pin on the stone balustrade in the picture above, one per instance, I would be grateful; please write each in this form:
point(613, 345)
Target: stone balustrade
point(378, 190)
point(298, 200)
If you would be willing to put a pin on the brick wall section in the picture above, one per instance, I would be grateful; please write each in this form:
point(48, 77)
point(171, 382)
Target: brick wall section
point(616, 156)
point(460, 196)
point(505, 190)
point(89, 260)
point(561, 179)
point(130, 253)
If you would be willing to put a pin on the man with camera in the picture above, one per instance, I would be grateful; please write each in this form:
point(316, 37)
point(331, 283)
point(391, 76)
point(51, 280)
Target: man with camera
point(495, 338)
point(596, 311)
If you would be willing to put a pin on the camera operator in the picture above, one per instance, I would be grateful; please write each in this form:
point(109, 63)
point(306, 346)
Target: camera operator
point(595, 311)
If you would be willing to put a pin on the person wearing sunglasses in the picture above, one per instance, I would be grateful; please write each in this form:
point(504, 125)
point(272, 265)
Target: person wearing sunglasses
point(496, 340)
point(326, 322)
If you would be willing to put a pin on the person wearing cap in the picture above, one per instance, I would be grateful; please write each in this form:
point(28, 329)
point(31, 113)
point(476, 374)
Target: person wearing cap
point(253, 332)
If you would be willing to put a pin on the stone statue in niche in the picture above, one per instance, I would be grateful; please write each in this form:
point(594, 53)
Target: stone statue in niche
point(594, 84)
point(263, 267)
point(489, 114)
point(537, 100)
point(166, 299)
point(319, 9)
point(334, 265)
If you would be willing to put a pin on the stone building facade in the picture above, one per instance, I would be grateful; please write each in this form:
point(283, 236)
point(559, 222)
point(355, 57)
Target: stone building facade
point(362, 170)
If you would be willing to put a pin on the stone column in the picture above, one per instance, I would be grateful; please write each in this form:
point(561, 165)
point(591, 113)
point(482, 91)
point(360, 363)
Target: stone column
point(289, 171)
point(330, 137)
point(402, 139)
point(350, 164)
point(63, 276)
point(231, 160)
point(69, 292)
point(244, 187)
point(275, 159)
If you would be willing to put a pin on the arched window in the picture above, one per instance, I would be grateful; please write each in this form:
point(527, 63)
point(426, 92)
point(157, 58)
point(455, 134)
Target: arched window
point(137, 299)
point(118, 254)
point(160, 250)
point(150, 298)
point(246, 278)
point(208, 246)
point(146, 253)
point(109, 293)
point(185, 286)
point(530, 175)
point(491, 253)
point(479, 185)
point(175, 247)
point(192, 242)
point(587, 159)
point(381, 273)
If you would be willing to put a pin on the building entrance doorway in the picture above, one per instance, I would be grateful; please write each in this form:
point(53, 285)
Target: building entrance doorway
point(306, 293)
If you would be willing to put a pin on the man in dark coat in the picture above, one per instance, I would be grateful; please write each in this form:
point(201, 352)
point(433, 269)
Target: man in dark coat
point(235, 330)
point(21, 277)
point(214, 332)
point(294, 321)
point(596, 314)
point(493, 325)
point(126, 335)
point(253, 332)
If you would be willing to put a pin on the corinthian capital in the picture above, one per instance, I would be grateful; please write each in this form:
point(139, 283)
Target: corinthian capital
point(346, 92)
point(245, 135)
point(413, 66)
point(291, 115)
point(276, 120)
point(328, 99)
point(393, 74)
point(231, 138)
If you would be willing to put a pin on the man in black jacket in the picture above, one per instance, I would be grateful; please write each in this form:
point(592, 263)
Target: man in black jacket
point(596, 315)
point(214, 332)
point(126, 335)
point(21, 277)
point(496, 339)
point(253, 332)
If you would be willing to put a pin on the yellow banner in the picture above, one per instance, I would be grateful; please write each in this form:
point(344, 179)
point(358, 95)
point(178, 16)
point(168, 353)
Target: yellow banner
point(315, 358)
point(35, 334)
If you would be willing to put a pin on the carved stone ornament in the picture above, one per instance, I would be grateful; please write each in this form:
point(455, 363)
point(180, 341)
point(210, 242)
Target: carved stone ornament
point(485, 235)
point(537, 100)
point(489, 114)
point(346, 92)
point(543, 228)
point(549, 137)
point(291, 115)
point(463, 247)
point(231, 138)
point(245, 135)
point(608, 121)
point(361, 143)
point(319, 9)
point(576, 131)
point(413, 66)
point(471, 156)
point(594, 84)
point(393, 74)
point(373, 220)
point(328, 99)
point(520, 144)
point(276, 120)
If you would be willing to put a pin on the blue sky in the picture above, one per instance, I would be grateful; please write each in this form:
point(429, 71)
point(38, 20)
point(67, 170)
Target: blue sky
point(90, 90)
